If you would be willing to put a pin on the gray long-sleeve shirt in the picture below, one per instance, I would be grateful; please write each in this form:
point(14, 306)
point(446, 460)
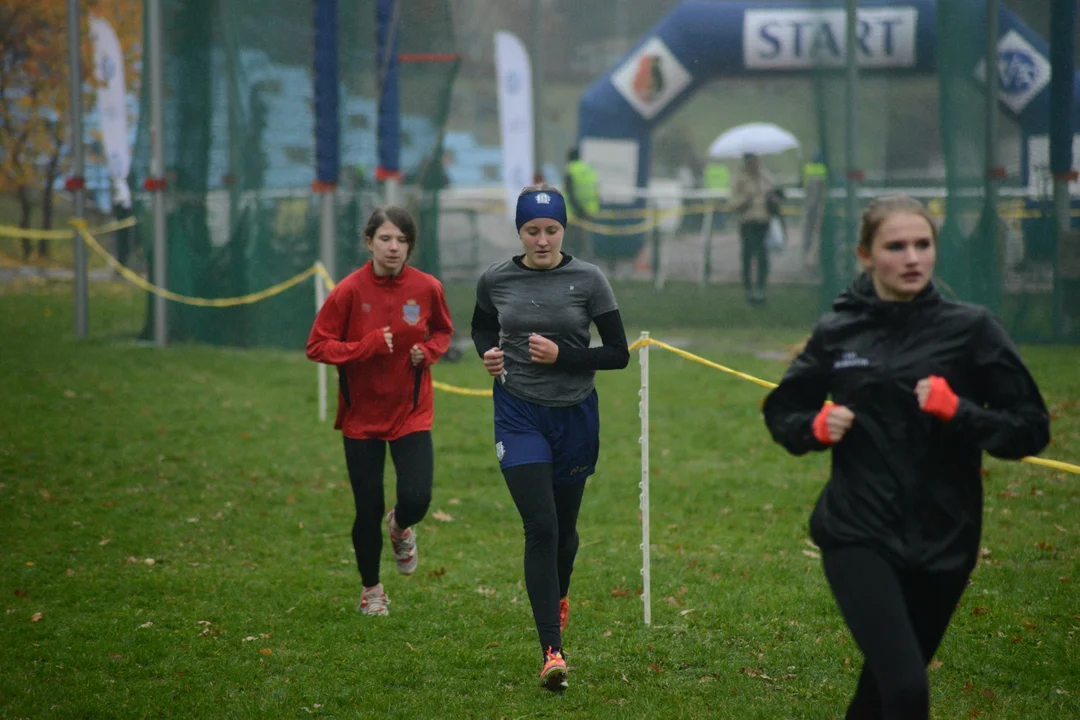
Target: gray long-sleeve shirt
point(559, 304)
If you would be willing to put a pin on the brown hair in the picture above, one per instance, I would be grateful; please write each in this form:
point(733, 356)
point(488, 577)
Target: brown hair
point(540, 187)
point(882, 207)
point(398, 216)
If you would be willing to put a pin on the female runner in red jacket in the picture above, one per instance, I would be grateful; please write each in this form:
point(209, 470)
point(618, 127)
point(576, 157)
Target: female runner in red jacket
point(383, 327)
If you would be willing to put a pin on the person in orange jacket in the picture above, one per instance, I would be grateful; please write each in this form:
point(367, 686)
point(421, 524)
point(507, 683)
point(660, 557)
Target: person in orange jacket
point(383, 327)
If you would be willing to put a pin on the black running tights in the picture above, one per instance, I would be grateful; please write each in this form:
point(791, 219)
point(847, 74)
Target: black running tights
point(898, 620)
point(414, 464)
point(549, 513)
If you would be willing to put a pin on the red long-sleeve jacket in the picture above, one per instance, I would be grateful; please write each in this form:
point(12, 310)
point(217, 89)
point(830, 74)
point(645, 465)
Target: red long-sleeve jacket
point(382, 395)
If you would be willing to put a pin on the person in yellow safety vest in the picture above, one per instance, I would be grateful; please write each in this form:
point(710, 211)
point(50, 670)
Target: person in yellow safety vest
point(815, 182)
point(717, 176)
point(582, 200)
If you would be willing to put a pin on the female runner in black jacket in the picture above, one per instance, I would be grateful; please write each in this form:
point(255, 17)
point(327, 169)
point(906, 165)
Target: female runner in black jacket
point(920, 387)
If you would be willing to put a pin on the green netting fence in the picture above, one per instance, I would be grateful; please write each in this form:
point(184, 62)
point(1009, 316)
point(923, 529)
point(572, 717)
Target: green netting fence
point(240, 145)
point(927, 136)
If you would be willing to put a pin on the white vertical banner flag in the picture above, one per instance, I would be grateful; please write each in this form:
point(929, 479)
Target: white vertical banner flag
point(514, 75)
point(112, 105)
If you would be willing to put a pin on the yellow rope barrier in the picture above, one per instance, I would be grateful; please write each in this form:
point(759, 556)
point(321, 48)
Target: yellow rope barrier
point(318, 269)
point(31, 234)
point(1055, 464)
point(136, 279)
point(702, 361)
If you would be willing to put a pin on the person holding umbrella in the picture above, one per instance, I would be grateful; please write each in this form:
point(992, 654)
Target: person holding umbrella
point(754, 201)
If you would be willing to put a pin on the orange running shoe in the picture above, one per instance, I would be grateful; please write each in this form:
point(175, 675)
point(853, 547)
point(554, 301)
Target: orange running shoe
point(553, 676)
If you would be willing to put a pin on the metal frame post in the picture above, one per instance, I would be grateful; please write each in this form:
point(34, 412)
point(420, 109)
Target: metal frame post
point(157, 170)
point(77, 183)
point(854, 174)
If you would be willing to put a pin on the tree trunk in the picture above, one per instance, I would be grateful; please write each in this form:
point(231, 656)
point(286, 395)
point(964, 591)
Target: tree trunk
point(26, 210)
point(52, 170)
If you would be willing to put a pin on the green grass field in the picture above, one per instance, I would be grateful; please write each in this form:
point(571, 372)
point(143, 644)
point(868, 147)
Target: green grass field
point(212, 462)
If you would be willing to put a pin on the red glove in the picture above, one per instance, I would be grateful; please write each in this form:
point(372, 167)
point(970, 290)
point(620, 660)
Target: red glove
point(821, 425)
point(941, 402)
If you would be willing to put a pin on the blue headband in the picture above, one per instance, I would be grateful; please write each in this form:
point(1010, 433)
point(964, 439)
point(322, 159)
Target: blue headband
point(540, 204)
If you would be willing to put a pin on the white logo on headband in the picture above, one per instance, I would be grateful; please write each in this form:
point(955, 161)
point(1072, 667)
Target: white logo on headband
point(543, 199)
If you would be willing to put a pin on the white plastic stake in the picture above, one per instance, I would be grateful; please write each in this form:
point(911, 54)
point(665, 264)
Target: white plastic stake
point(643, 411)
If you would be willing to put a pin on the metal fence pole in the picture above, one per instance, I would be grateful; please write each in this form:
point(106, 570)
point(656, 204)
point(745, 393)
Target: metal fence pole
point(82, 315)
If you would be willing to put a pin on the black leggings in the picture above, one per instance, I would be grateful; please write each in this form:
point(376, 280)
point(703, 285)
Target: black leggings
point(898, 619)
point(752, 236)
point(549, 513)
point(414, 462)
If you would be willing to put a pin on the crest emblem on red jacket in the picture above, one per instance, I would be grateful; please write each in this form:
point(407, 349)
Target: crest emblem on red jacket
point(411, 311)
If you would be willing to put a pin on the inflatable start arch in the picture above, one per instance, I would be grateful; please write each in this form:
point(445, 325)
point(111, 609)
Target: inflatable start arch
point(703, 41)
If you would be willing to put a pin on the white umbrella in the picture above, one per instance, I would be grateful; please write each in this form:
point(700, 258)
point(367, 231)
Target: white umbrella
point(757, 138)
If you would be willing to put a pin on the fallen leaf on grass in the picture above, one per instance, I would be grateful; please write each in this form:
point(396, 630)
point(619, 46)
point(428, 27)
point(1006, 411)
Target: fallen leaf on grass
point(672, 601)
point(620, 591)
point(979, 610)
point(811, 554)
point(442, 517)
point(454, 501)
point(486, 592)
point(35, 617)
point(607, 633)
point(248, 638)
point(437, 572)
point(147, 624)
point(69, 572)
point(266, 652)
point(1061, 530)
point(687, 611)
point(493, 643)
point(105, 542)
point(656, 668)
point(20, 593)
point(935, 664)
point(29, 563)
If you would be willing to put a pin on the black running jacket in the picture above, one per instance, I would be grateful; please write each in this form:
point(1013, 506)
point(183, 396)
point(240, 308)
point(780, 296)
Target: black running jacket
point(904, 482)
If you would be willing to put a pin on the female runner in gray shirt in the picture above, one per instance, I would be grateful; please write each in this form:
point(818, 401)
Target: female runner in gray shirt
point(531, 327)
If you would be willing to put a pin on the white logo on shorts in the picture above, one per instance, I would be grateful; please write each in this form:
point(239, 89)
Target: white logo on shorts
point(499, 450)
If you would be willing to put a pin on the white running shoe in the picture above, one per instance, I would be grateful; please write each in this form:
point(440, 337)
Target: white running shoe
point(373, 601)
point(404, 545)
